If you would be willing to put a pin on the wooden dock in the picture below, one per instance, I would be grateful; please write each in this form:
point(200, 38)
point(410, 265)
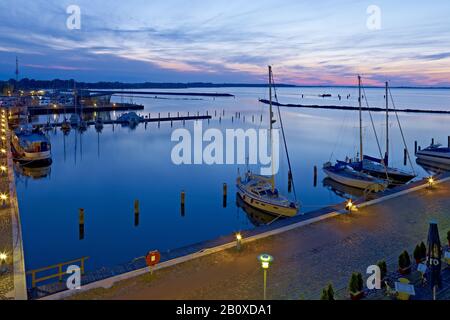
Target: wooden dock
point(58, 109)
point(144, 120)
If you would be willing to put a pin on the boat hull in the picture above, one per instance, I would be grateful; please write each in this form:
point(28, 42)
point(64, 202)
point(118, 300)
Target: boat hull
point(434, 157)
point(264, 206)
point(354, 182)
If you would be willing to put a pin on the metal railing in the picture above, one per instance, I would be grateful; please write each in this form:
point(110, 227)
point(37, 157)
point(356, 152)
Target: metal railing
point(59, 275)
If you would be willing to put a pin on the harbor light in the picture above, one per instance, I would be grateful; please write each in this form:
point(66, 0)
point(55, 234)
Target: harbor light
point(431, 182)
point(3, 151)
point(3, 169)
point(3, 257)
point(238, 241)
point(3, 198)
point(350, 206)
point(265, 260)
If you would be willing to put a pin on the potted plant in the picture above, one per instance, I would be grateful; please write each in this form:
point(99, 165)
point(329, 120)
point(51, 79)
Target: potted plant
point(404, 263)
point(328, 293)
point(420, 253)
point(423, 248)
point(383, 268)
point(355, 287)
point(448, 237)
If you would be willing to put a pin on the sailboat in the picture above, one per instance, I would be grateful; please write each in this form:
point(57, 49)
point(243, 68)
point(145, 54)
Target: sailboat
point(258, 191)
point(345, 173)
point(380, 167)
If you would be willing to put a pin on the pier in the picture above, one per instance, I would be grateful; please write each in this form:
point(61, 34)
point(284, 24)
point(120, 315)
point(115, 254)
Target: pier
point(162, 93)
point(349, 108)
point(310, 251)
point(58, 109)
point(12, 266)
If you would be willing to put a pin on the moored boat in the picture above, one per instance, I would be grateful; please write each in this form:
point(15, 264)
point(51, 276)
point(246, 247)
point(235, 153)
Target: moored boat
point(31, 147)
point(343, 173)
point(436, 153)
point(259, 191)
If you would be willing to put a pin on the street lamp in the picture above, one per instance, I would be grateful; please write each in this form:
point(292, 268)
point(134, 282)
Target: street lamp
point(3, 169)
point(265, 260)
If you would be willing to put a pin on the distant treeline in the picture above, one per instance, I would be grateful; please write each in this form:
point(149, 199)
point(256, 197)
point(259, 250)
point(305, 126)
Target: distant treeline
point(30, 84)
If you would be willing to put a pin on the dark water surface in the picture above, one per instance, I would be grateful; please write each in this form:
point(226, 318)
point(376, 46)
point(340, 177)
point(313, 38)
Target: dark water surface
point(104, 173)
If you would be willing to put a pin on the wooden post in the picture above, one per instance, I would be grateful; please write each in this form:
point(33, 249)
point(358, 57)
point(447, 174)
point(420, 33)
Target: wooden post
point(415, 147)
point(449, 141)
point(405, 157)
point(81, 224)
point(225, 192)
point(289, 181)
point(183, 202)
point(136, 213)
point(315, 176)
point(432, 142)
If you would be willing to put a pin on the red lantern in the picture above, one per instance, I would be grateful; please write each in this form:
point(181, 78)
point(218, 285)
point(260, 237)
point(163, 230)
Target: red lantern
point(153, 258)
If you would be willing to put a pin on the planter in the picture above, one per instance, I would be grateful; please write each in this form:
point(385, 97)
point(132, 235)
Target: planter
point(419, 261)
point(356, 296)
point(405, 271)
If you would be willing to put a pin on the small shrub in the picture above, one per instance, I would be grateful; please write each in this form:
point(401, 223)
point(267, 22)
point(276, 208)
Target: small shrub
point(383, 268)
point(328, 293)
point(404, 260)
point(356, 283)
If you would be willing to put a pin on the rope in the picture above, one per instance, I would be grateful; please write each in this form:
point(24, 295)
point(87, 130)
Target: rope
point(401, 131)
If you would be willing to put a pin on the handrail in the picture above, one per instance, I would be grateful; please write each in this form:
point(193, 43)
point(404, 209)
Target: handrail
point(60, 274)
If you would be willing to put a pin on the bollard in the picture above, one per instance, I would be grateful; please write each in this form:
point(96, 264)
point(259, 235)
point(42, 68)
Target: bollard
point(183, 202)
point(136, 213)
point(289, 181)
point(81, 224)
point(225, 192)
point(315, 176)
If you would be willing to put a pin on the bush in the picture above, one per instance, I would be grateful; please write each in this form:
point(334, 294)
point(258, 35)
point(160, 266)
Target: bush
point(328, 293)
point(383, 268)
point(448, 235)
point(356, 283)
point(417, 253)
point(404, 260)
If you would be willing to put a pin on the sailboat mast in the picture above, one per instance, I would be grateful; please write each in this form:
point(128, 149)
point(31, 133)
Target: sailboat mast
point(361, 155)
point(387, 125)
point(271, 126)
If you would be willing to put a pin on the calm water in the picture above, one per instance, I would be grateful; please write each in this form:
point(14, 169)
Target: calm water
point(104, 173)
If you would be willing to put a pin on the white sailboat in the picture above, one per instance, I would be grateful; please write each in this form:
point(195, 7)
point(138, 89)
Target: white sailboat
point(258, 191)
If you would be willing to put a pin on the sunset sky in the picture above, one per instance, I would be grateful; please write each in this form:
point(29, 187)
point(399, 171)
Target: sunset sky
point(308, 42)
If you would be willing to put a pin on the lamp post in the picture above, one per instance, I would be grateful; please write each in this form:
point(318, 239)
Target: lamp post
point(3, 257)
point(238, 241)
point(431, 182)
point(265, 260)
point(3, 198)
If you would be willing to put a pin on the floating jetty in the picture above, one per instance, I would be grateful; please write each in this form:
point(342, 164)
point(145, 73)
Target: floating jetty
point(36, 111)
point(144, 120)
point(162, 93)
point(349, 108)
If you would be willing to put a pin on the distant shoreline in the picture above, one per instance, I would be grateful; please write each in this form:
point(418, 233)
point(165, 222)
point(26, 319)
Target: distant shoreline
point(26, 84)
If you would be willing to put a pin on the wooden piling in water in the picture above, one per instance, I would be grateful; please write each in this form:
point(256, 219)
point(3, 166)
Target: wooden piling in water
point(81, 223)
point(449, 141)
point(225, 195)
point(432, 142)
point(315, 176)
point(183, 203)
point(136, 213)
point(405, 157)
point(289, 181)
point(415, 147)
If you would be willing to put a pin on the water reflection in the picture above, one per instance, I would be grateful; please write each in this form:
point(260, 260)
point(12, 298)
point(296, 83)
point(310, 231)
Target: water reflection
point(342, 190)
point(34, 173)
point(256, 217)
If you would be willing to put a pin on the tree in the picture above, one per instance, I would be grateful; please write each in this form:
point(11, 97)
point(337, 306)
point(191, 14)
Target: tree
point(328, 293)
point(383, 268)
